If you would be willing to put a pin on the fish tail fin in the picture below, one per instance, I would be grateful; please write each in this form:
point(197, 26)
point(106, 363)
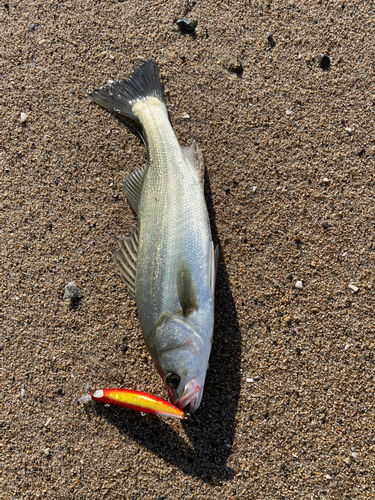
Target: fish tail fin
point(120, 96)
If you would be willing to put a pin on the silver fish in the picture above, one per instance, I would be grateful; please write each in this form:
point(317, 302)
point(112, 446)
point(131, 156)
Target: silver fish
point(169, 262)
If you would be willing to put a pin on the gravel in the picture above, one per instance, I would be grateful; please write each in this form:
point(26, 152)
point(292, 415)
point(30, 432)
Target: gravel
point(62, 207)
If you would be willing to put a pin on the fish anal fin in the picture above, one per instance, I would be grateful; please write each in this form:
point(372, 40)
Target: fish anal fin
point(195, 158)
point(132, 186)
point(125, 258)
point(187, 291)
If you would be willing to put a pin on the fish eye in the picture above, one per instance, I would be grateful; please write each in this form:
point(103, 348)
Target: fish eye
point(172, 379)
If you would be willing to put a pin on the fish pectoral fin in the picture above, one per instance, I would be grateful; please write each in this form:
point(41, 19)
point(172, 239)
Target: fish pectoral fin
point(132, 186)
point(125, 259)
point(214, 261)
point(187, 291)
point(195, 158)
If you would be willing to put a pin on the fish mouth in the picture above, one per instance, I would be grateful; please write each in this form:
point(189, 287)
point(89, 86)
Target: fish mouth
point(191, 397)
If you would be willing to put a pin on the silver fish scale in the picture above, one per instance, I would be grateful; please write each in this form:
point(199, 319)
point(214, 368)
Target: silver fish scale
point(173, 226)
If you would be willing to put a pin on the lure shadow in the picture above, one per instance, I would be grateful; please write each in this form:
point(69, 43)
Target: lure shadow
point(211, 430)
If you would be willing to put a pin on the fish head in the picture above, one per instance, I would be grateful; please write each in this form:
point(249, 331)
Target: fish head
point(182, 359)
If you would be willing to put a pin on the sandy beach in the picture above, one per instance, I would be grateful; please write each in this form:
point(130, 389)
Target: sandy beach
point(288, 409)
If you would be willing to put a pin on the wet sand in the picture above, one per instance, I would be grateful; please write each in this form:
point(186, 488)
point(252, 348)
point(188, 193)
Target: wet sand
point(288, 409)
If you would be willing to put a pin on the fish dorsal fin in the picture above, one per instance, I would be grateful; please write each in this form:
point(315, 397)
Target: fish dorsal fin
point(125, 259)
point(195, 158)
point(132, 187)
point(214, 261)
point(187, 291)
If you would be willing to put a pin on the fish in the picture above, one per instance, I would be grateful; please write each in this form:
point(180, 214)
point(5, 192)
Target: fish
point(168, 262)
point(134, 400)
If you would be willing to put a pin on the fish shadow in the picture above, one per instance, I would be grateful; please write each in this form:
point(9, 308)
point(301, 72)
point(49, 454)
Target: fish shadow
point(210, 431)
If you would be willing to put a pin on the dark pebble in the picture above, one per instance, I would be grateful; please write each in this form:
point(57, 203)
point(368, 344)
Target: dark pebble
point(186, 25)
point(32, 26)
point(362, 152)
point(6, 5)
point(227, 190)
point(324, 61)
point(124, 345)
point(270, 39)
point(325, 224)
point(236, 67)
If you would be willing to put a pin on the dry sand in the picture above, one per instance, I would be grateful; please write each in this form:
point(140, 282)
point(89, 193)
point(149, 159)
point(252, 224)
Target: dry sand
point(288, 408)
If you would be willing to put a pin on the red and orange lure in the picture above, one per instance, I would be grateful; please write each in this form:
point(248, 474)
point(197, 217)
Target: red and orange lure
point(135, 400)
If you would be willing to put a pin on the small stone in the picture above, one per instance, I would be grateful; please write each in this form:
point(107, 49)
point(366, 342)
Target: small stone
point(32, 26)
point(325, 224)
point(186, 24)
point(71, 291)
point(325, 180)
point(347, 460)
point(23, 117)
point(324, 61)
point(47, 452)
point(23, 393)
point(347, 347)
point(270, 39)
point(186, 117)
point(328, 476)
point(227, 190)
point(49, 420)
point(354, 288)
point(355, 454)
point(254, 189)
point(344, 254)
point(349, 130)
point(289, 112)
point(250, 380)
point(299, 285)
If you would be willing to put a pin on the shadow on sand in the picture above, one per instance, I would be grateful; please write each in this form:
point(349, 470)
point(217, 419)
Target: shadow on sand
point(210, 431)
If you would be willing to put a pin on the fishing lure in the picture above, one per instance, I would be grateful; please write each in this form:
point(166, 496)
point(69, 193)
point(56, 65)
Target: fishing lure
point(135, 400)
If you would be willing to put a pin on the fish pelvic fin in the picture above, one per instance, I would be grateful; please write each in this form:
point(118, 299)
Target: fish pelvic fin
point(187, 291)
point(121, 96)
point(132, 187)
point(125, 259)
point(194, 157)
